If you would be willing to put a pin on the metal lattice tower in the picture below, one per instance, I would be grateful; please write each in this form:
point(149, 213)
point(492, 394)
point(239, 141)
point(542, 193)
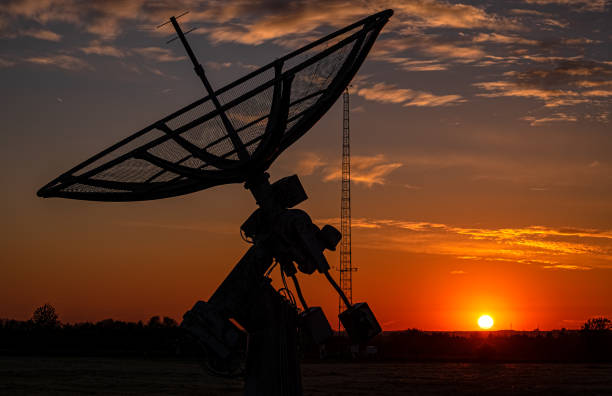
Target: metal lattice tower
point(346, 268)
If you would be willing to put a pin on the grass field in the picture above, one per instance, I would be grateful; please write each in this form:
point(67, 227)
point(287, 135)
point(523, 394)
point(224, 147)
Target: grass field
point(63, 376)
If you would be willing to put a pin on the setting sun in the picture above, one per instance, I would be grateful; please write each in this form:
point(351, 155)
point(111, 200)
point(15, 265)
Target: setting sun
point(485, 322)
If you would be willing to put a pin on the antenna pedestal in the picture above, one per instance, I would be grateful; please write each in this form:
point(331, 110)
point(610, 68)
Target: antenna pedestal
point(271, 319)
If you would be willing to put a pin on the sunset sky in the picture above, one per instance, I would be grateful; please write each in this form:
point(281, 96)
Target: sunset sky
point(481, 158)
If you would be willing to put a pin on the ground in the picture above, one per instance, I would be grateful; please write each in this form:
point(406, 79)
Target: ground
point(59, 376)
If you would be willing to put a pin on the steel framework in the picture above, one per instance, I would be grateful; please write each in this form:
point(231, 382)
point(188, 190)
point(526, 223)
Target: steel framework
point(346, 268)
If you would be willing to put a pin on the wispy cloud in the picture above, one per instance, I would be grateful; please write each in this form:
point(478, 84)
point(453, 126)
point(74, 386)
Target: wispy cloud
point(598, 92)
point(567, 267)
point(557, 117)
point(42, 34)
point(442, 14)
point(309, 163)
point(365, 170)
point(548, 247)
point(386, 93)
point(603, 117)
point(452, 51)
point(509, 88)
point(423, 65)
point(434, 47)
point(224, 65)
point(503, 39)
point(389, 93)
point(561, 82)
point(106, 50)
point(218, 65)
point(66, 62)
point(158, 54)
point(576, 5)
point(251, 22)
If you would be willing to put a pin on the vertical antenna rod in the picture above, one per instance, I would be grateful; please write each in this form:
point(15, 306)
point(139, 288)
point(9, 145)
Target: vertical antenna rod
point(346, 269)
point(240, 149)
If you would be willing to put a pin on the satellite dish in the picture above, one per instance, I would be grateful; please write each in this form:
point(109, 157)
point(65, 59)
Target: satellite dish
point(230, 134)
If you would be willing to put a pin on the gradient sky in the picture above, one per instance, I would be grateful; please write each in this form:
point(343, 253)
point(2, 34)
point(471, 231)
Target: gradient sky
point(481, 142)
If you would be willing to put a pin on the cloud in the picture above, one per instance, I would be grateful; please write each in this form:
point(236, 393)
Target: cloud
point(309, 163)
point(250, 22)
point(575, 5)
point(105, 50)
point(591, 84)
point(547, 247)
point(562, 73)
point(423, 65)
point(603, 117)
point(598, 92)
point(557, 117)
point(502, 39)
point(66, 62)
point(552, 97)
point(102, 18)
point(439, 52)
point(424, 99)
point(273, 20)
point(218, 65)
point(458, 272)
point(42, 34)
point(520, 11)
point(563, 83)
point(409, 64)
point(577, 41)
point(439, 47)
point(431, 13)
point(566, 267)
point(507, 88)
point(365, 170)
point(388, 93)
point(224, 65)
point(452, 51)
point(158, 54)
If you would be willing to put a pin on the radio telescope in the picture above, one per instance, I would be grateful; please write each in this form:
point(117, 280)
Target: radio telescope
point(233, 135)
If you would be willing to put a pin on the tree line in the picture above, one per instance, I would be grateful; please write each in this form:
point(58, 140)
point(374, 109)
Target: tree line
point(44, 334)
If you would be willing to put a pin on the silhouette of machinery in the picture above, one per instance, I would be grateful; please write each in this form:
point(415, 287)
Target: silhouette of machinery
point(232, 135)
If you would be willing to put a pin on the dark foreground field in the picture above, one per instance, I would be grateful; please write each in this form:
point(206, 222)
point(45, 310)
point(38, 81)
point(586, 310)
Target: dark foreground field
point(34, 375)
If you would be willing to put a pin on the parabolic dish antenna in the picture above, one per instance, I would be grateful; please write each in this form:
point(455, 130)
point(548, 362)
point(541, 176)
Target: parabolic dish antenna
point(232, 133)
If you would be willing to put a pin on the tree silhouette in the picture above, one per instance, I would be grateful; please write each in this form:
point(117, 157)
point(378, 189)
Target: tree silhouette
point(597, 324)
point(154, 321)
point(45, 316)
